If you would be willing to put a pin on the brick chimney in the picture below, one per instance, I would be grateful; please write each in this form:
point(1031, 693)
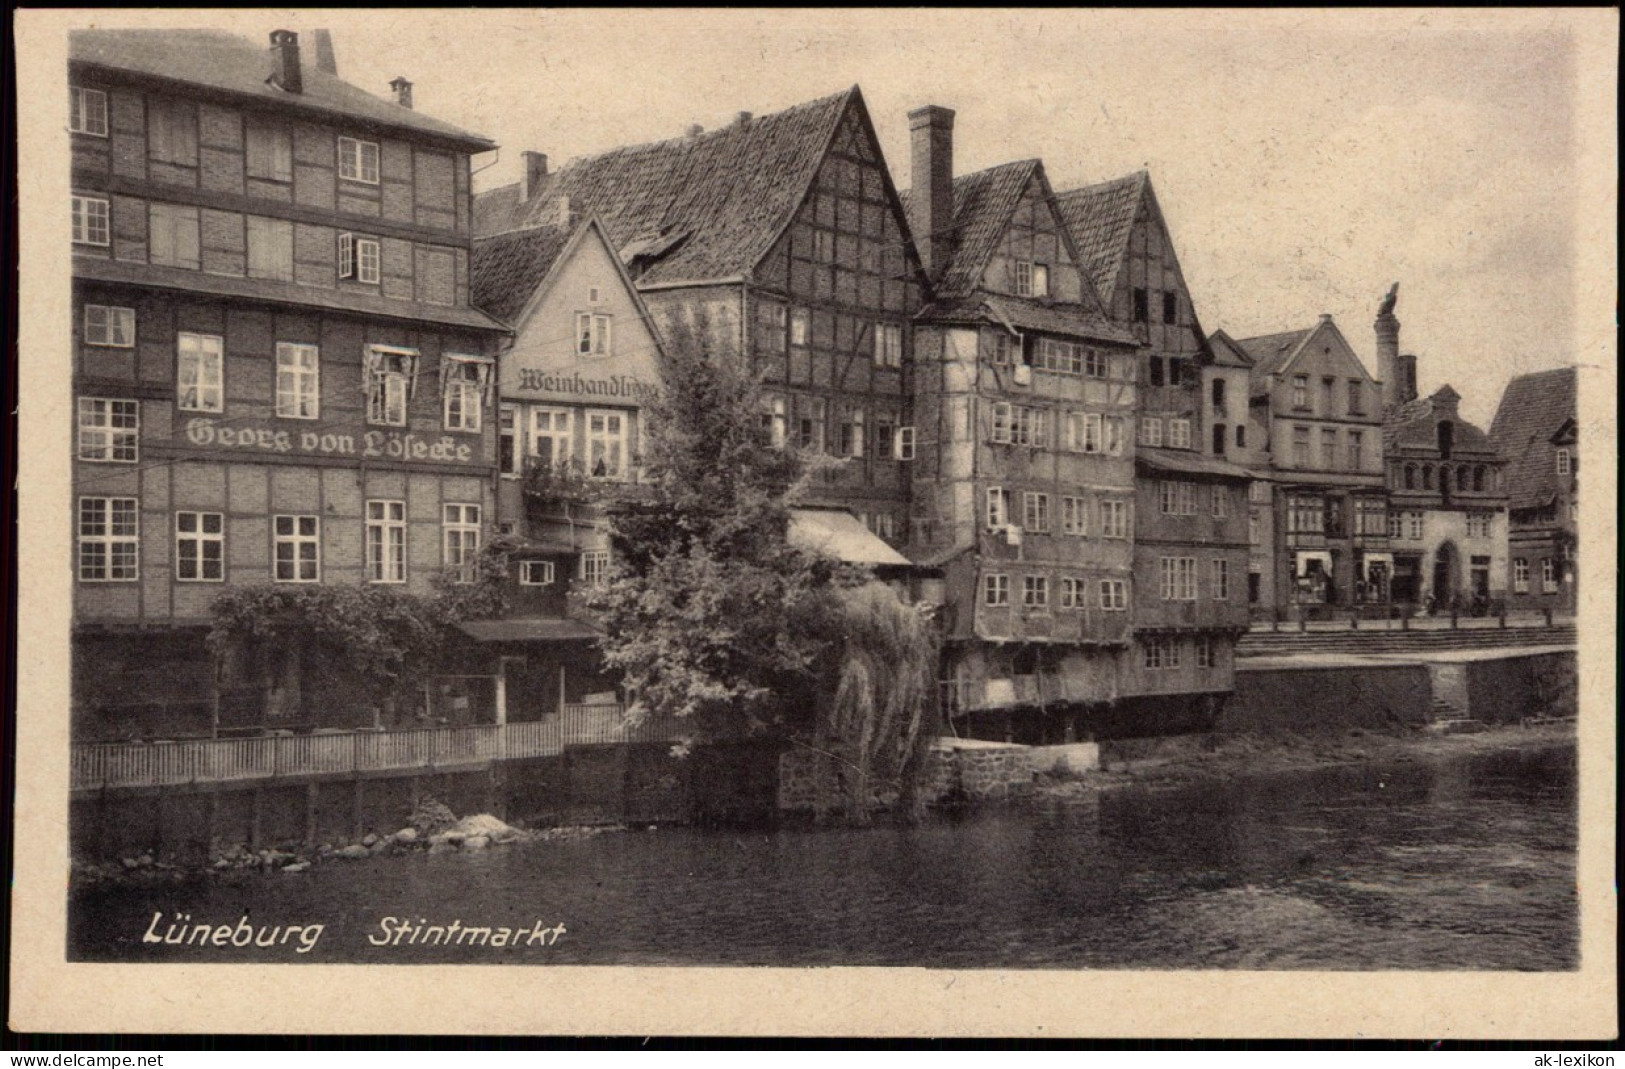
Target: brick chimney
point(931, 200)
point(326, 60)
point(694, 130)
point(1407, 377)
point(742, 118)
point(285, 72)
point(403, 91)
point(1388, 369)
point(530, 178)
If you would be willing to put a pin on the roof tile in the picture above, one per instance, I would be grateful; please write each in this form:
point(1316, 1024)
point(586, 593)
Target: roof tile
point(509, 267)
point(1101, 217)
point(1533, 409)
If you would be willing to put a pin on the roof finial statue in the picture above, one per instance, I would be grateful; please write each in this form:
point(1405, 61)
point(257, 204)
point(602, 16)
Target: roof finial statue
point(1387, 308)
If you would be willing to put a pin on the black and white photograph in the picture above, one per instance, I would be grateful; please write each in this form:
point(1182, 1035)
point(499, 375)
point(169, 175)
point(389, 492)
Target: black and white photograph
point(785, 504)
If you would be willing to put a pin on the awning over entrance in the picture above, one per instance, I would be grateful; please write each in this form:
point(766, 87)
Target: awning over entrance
point(533, 629)
point(839, 534)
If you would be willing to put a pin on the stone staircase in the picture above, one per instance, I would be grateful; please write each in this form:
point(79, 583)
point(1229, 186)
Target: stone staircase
point(1445, 719)
point(1285, 643)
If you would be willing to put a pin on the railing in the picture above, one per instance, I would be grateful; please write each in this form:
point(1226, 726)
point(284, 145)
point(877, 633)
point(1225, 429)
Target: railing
point(212, 760)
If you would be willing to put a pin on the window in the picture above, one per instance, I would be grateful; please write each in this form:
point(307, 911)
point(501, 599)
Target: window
point(87, 111)
point(1218, 394)
point(1219, 578)
point(593, 334)
point(462, 385)
point(1002, 350)
point(810, 425)
point(851, 433)
point(200, 371)
point(1179, 434)
point(1161, 651)
point(1328, 396)
point(1114, 595)
point(1328, 448)
point(389, 384)
point(109, 430)
point(800, 327)
point(1001, 421)
point(775, 425)
point(1204, 651)
point(109, 539)
point(113, 327)
point(1241, 436)
point(1114, 519)
point(1221, 502)
point(1142, 305)
point(1300, 447)
point(1565, 462)
point(1356, 450)
point(1153, 369)
point(1520, 575)
point(508, 440)
point(90, 221)
point(1083, 432)
point(296, 549)
point(1177, 578)
point(595, 567)
point(460, 540)
point(995, 590)
point(905, 443)
point(883, 524)
point(1178, 497)
point(772, 319)
point(998, 507)
point(1035, 592)
point(1035, 511)
point(1031, 427)
point(1170, 308)
point(386, 541)
point(200, 547)
point(1548, 575)
point(172, 236)
point(1114, 436)
point(1255, 527)
point(606, 444)
point(1219, 439)
point(1370, 517)
point(1074, 594)
point(1032, 280)
point(358, 160)
point(1060, 356)
point(550, 438)
point(1150, 431)
point(535, 573)
point(1478, 524)
point(359, 258)
point(884, 441)
point(270, 151)
point(1414, 524)
point(1356, 398)
point(1305, 515)
point(172, 131)
point(888, 345)
point(298, 389)
point(1300, 391)
point(1075, 515)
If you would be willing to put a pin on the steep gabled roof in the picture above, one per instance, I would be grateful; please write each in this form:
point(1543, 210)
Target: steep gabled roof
point(224, 61)
point(1533, 408)
point(1272, 352)
point(714, 203)
point(1227, 352)
point(1101, 217)
point(508, 268)
point(984, 203)
point(1414, 425)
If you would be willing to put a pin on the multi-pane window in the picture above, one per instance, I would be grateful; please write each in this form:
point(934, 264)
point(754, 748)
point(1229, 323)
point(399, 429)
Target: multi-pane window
point(810, 424)
point(1356, 450)
point(270, 151)
point(884, 439)
point(1221, 502)
point(172, 131)
point(1150, 431)
point(1070, 358)
point(296, 549)
point(1177, 578)
point(173, 236)
point(1370, 517)
point(1161, 651)
point(1305, 515)
point(508, 439)
point(1478, 524)
point(1020, 424)
point(1414, 524)
point(270, 248)
point(359, 258)
point(1300, 391)
point(1074, 515)
point(386, 541)
point(606, 444)
point(1179, 434)
point(593, 334)
point(888, 345)
point(995, 590)
point(460, 540)
point(90, 221)
point(1032, 280)
point(595, 567)
point(1035, 511)
point(200, 372)
point(535, 573)
point(389, 384)
point(1204, 651)
point(1114, 435)
point(1083, 433)
point(1035, 592)
point(550, 436)
point(1565, 462)
point(1255, 527)
point(113, 327)
point(1548, 575)
point(1001, 351)
point(1356, 398)
point(109, 429)
point(997, 510)
point(1219, 578)
point(298, 381)
point(87, 111)
point(772, 319)
point(463, 386)
point(358, 160)
point(850, 443)
point(800, 327)
point(200, 547)
point(1074, 593)
point(1178, 498)
point(1114, 519)
point(775, 423)
point(1328, 396)
point(1114, 595)
point(1300, 447)
point(1520, 575)
point(109, 539)
point(1328, 448)
point(905, 443)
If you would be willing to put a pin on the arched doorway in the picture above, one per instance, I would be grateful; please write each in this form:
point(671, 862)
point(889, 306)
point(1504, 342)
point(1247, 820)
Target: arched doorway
point(1445, 570)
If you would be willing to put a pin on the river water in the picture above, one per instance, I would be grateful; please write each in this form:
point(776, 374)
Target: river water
point(1467, 863)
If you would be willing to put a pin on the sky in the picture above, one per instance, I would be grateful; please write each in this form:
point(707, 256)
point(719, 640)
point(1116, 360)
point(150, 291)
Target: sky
point(1305, 161)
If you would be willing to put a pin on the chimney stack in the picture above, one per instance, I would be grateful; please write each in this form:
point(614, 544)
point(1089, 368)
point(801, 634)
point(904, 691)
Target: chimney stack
point(403, 91)
point(931, 201)
point(1388, 369)
point(285, 71)
point(1407, 378)
point(694, 130)
point(530, 180)
point(742, 119)
point(326, 61)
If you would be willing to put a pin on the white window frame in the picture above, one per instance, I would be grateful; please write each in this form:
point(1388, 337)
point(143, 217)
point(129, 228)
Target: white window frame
point(813, 420)
point(463, 383)
point(296, 539)
point(1520, 575)
point(595, 334)
point(360, 259)
point(191, 546)
point(594, 567)
point(559, 433)
point(904, 449)
point(200, 372)
point(1075, 516)
point(354, 157)
point(1176, 578)
point(612, 447)
point(460, 530)
point(888, 345)
point(105, 325)
point(390, 373)
point(1177, 497)
point(1003, 422)
point(1151, 431)
point(1035, 592)
point(995, 590)
point(536, 573)
point(1114, 436)
point(775, 420)
point(298, 380)
point(1415, 526)
point(84, 119)
point(1035, 511)
point(1114, 595)
point(120, 549)
point(1219, 578)
point(996, 509)
point(800, 328)
point(508, 442)
point(1548, 575)
point(1478, 524)
point(1179, 434)
point(386, 541)
point(102, 435)
point(92, 221)
point(1205, 651)
point(1161, 652)
point(1115, 520)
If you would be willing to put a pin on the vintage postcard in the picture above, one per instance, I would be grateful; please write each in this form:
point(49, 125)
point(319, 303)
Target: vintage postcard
point(902, 522)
